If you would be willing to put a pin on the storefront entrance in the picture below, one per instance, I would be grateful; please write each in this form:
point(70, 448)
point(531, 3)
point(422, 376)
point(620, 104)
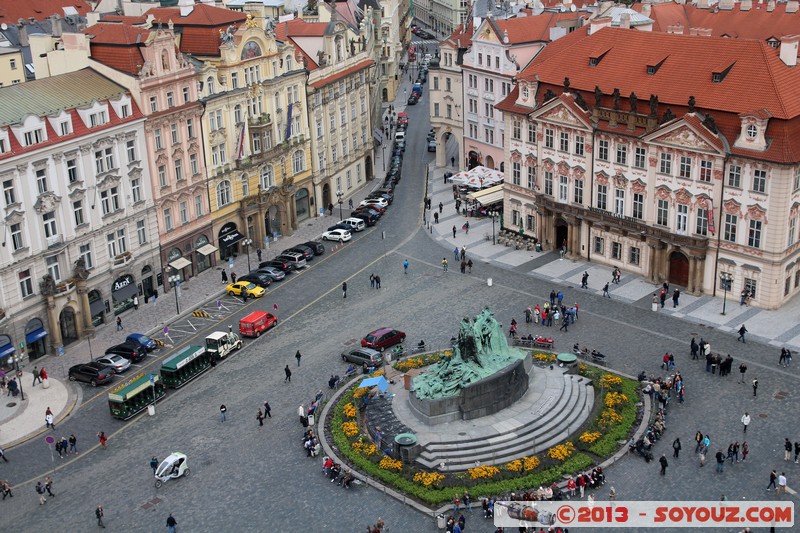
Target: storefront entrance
point(122, 292)
point(35, 338)
point(272, 221)
point(302, 208)
point(67, 323)
point(229, 238)
point(97, 307)
point(678, 269)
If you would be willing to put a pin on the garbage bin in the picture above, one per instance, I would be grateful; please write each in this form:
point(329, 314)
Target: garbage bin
point(538, 247)
point(441, 521)
point(46, 383)
point(151, 409)
point(310, 420)
point(655, 307)
point(489, 282)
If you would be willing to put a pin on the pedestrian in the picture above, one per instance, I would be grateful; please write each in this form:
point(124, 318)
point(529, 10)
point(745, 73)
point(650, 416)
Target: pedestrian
point(100, 514)
point(330, 209)
point(773, 477)
point(154, 296)
point(796, 451)
point(676, 447)
point(136, 303)
point(528, 315)
point(101, 436)
point(435, 218)
point(244, 295)
point(288, 373)
point(298, 356)
point(720, 461)
point(466, 227)
point(745, 421)
point(742, 370)
point(552, 297)
point(559, 297)
point(742, 331)
point(755, 387)
point(260, 418)
point(605, 291)
point(456, 254)
point(463, 267)
point(452, 161)
point(7, 489)
point(267, 409)
point(664, 464)
point(3, 455)
point(301, 412)
point(454, 232)
point(441, 207)
point(565, 324)
point(372, 281)
point(463, 253)
point(377, 282)
point(444, 264)
point(73, 444)
point(224, 276)
point(782, 483)
point(662, 296)
point(585, 280)
point(154, 464)
point(745, 450)
point(469, 266)
point(675, 296)
point(258, 250)
point(48, 419)
point(787, 449)
point(40, 491)
point(172, 524)
point(36, 376)
point(119, 324)
point(693, 347)
point(48, 485)
point(344, 289)
point(233, 277)
point(222, 411)
point(698, 438)
point(405, 266)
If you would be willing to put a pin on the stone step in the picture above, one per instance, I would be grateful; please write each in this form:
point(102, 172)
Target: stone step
point(535, 437)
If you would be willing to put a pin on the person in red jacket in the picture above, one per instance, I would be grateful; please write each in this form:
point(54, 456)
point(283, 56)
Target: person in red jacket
point(581, 484)
point(571, 486)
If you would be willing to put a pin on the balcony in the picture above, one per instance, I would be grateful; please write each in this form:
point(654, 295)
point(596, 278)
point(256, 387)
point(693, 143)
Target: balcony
point(65, 287)
point(122, 260)
point(55, 241)
point(262, 120)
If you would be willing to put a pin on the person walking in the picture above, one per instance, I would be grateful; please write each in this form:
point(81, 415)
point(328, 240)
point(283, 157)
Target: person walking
point(372, 281)
point(676, 447)
point(466, 227)
point(40, 491)
point(720, 461)
point(782, 484)
point(435, 217)
point(233, 277)
point(48, 485)
point(605, 291)
point(301, 412)
point(773, 477)
point(222, 411)
point(73, 444)
point(742, 370)
point(565, 324)
point(7, 489)
point(172, 524)
point(298, 356)
point(224, 276)
point(454, 232)
point(455, 254)
point(288, 372)
point(796, 451)
point(36, 376)
point(154, 464)
point(441, 207)
point(344, 289)
point(258, 250)
point(267, 409)
point(755, 387)
point(377, 282)
point(405, 266)
point(3, 455)
point(745, 421)
point(585, 280)
point(676, 294)
point(101, 437)
point(48, 419)
point(260, 417)
point(745, 451)
point(742, 331)
point(469, 266)
point(444, 264)
point(119, 324)
point(664, 464)
point(100, 514)
point(463, 252)
point(698, 438)
point(787, 449)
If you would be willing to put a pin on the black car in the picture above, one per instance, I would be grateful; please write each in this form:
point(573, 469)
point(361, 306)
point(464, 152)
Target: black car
point(305, 251)
point(260, 279)
point(412, 100)
point(422, 34)
point(91, 374)
point(393, 174)
point(317, 247)
point(129, 351)
point(339, 225)
point(397, 160)
point(376, 214)
point(366, 216)
point(283, 266)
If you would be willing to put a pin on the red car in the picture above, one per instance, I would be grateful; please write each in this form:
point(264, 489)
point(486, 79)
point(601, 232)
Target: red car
point(382, 338)
point(402, 117)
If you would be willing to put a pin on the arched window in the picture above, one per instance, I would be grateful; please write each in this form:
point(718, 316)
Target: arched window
point(237, 114)
point(298, 161)
point(267, 178)
point(245, 186)
point(277, 101)
point(339, 52)
point(210, 85)
point(164, 61)
point(223, 193)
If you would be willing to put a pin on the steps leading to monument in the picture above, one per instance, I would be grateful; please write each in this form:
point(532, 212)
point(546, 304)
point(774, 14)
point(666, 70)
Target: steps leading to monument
point(550, 421)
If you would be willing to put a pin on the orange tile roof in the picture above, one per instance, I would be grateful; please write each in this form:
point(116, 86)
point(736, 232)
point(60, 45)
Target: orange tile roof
point(201, 15)
point(200, 41)
point(124, 58)
point(127, 19)
point(757, 23)
point(508, 104)
point(117, 45)
point(530, 29)
point(285, 31)
point(116, 33)
point(462, 36)
point(301, 28)
point(13, 10)
point(339, 75)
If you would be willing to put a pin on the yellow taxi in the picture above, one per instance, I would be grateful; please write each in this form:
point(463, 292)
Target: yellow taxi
point(253, 290)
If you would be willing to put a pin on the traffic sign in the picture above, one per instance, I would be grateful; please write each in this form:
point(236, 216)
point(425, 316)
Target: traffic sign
point(152, 379)
point(166, 330)
point(50, 440)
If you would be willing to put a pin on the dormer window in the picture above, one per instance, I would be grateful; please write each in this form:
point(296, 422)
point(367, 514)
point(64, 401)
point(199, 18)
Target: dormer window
point(595, 59)
point(525, 93)
point(718, 76)
point(125, 111)
point(34, 137)
point(64, 128)
point(98, 119)
point(752, 131)
point(2, 146)
point(653, 68)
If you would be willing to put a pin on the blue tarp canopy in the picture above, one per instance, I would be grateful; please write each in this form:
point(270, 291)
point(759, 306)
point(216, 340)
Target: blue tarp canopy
point(35, 335)
point(6, 350)
point(379, 382)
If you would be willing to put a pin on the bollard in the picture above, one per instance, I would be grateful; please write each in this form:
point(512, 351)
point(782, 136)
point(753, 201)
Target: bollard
point(489, 282)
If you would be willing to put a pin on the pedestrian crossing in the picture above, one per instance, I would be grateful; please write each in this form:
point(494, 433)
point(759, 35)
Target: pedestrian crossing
point(425, 41)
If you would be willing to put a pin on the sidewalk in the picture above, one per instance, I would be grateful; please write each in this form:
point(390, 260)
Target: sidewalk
point(24, 420)
point(778, 328)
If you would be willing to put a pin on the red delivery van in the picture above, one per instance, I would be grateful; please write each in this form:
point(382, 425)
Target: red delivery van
point(256, 323)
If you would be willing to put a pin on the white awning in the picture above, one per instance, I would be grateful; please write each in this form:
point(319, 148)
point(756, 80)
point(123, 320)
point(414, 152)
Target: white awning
point(207, 249)
point(488, 196)
point(180, 263)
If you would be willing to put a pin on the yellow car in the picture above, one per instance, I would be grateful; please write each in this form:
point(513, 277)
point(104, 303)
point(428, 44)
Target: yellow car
point(253, 290)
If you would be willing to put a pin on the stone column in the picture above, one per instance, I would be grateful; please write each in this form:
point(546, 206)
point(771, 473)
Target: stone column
point(575, 241)
point(83, 304)
point(54, 328)
point(692, 268)
point(699, 272)
point(651, 271)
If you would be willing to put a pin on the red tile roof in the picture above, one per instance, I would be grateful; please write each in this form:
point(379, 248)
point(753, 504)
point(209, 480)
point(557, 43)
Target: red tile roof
point(200, 41)
point(13, 10)
point(339, 75)
point(531, 29)
point(757, 23)
point(201, 15)
point(508, 104)
point(300, 28)
point(117, 45)
point(462, 36)
point(127, 59)
point(116, 33)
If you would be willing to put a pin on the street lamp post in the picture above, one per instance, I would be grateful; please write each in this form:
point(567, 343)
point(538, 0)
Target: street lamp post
point(726, 279)
point(175, 279)
point(17, 359)
point(247, 243)
point(340, 195)
point(494, 215)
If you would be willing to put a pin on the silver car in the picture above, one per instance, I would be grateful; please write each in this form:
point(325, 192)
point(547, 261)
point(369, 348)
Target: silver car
point(117, 362)
point(272, 272)
point(363, 355)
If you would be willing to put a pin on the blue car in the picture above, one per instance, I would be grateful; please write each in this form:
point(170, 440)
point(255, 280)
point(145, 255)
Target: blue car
point(141, 341)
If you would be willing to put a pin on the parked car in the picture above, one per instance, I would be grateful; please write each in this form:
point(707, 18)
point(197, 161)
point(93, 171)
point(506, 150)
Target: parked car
point(131, 352)
point(372, 210)
point(360, 356)
point(142, 341)
point(369, 219)
point(412, 100)
point(356, 224)
point(98, 366)
point(402, 117)
point(295, 259)
point(386, 196)
point(275, 273)
point(305, 251)
point(382, 338)
point(117, 362)
point(381, 202)
point(317, 247)
point(90, 374)
point(283, 266)
point(262, 280)
point(431, 146)
point(341, 235)
point(253, 290)
point(338, 225)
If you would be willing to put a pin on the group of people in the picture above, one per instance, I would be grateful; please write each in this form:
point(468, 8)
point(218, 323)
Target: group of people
point(311, 443)
point(336, 473)
point(552, 311)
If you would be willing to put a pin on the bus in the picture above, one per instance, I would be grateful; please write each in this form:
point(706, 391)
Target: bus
point(133, 396)
point(179, 369)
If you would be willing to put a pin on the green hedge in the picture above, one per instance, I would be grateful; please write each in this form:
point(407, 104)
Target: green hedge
point(609, 442)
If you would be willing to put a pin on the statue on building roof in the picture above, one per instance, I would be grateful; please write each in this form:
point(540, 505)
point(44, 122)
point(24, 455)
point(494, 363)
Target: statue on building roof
point(615, 96)
point(668, 115)
point(566, 84)
point(653, 105)
point(598, 96)
point(549, 95)
point(633, 100)
point(691, 104)
point(709, 123)
point(580, 101)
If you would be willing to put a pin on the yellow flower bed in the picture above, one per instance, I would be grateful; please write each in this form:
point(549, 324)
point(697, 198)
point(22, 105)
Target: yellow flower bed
point(350, 410)
point(514, 466)
point(529, 463)
point(561, 452)
point(370, 449)
point(485, 471)
point(590, 436)
point(350, 429)
point(428, 478)
point(609, 417)
point(360, 393)
point(610, 381)
point(376, 374)
point(614, 399)
point(408, 364)
point(545, 357)
point(387, 463)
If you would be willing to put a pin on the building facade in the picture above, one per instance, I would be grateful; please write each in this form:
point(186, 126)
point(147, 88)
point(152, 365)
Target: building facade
point(691, 183)
point(11, 66)
point(81, 240)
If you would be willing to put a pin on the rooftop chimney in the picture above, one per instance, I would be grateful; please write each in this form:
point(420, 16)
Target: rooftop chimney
point(598, 24)
point(702, 4)
point(646, 9)
point(770, 6)
point(625, 21)
point(726, 5)
point(55, 25)
point(788, 50)
point(186, 7)
point(505, 36)
point(791, 6)
point(746, 5)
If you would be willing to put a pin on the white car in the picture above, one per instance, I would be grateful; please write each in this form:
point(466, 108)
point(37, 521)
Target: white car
point(381, 202)
point(117, 362)
point(341, 235)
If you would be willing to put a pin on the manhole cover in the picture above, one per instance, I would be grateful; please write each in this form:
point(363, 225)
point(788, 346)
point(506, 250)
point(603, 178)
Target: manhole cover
point(779, 396)
point(12, 404)
point(462, 433)
point(763, 415)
